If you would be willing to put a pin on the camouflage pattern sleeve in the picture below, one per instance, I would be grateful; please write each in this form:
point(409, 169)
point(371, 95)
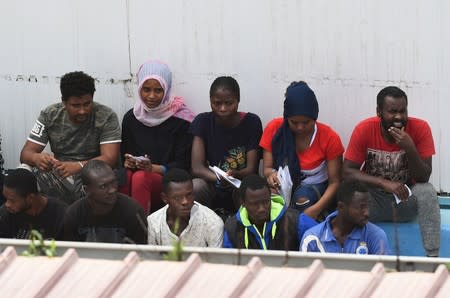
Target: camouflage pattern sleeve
point(38, 133)
point(111, 129)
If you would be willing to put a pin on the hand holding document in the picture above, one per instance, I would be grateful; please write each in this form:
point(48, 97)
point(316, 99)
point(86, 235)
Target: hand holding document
point(284, 177)
point(397, 199)
point(221, 174)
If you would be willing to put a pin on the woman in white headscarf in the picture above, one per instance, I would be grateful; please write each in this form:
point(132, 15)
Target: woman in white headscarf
point(155, 135)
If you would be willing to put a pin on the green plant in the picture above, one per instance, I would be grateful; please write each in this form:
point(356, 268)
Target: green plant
point(38, 247)
point(177, 247)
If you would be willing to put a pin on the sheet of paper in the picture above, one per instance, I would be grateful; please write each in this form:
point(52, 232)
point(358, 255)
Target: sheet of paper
point(285, 183)
point(397, 199)
point(221, 174)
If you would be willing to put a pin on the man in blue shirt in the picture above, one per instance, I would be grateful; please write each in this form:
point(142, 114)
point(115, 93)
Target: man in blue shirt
point(347, 230)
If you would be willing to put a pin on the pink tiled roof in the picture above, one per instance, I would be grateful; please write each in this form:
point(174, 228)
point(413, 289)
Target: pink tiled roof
point(71, 276)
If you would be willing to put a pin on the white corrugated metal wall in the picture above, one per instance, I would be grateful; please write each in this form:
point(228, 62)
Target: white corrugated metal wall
point(346, 50)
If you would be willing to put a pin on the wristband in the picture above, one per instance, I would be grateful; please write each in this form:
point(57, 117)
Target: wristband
point(81, 164)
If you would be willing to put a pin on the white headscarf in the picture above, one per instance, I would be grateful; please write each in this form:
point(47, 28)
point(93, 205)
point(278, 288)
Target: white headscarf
point(169, 106)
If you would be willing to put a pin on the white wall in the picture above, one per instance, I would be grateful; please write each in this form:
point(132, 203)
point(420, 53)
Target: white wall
point(347, 50)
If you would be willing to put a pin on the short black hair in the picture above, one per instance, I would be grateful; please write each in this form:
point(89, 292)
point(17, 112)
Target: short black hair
point(252, 182)
point(393, 91)
point(174, 175)
point(95, 167)
point(76, 83)
point(227, 83)
point(347, 189)
point(22, 181)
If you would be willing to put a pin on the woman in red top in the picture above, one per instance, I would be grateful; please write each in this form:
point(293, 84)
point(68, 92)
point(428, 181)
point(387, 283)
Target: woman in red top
point(312, 151)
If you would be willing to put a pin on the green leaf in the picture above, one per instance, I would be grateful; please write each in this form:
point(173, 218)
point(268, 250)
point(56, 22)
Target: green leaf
point(38, 247)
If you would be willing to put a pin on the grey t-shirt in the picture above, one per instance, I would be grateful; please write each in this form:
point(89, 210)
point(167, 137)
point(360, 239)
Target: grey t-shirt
point(69, 141)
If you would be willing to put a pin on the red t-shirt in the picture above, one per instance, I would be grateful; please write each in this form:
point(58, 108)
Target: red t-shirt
point(384, 159)
point(325, 146)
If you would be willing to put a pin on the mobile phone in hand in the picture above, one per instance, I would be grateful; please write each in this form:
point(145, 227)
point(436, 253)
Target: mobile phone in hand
point(141, 158)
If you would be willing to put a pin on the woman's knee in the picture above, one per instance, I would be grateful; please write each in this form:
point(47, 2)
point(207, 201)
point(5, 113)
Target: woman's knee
point(203, 192)
point(144, 177)
point(308, 194)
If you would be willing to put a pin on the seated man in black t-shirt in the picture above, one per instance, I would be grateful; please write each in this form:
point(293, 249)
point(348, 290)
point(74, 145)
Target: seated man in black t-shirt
point(26, 209)
point(105, 215)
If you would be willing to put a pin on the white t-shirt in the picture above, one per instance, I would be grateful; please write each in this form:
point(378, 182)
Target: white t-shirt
point(205, 228)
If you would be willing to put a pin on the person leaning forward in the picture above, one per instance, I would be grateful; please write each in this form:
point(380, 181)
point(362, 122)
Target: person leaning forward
point(78, 130)
point(396, 151)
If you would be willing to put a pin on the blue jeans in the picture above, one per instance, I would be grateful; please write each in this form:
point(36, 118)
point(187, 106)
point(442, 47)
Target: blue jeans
point(312, 193)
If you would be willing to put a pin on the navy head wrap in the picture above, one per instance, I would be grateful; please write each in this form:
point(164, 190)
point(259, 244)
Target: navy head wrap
point(300, 101)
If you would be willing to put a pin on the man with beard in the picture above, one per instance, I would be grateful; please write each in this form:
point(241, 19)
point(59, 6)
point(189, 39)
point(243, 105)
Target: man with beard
point(78, 130)
point(347, 230)
point(406, 143)
point(105, 215)
point(26, 209)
